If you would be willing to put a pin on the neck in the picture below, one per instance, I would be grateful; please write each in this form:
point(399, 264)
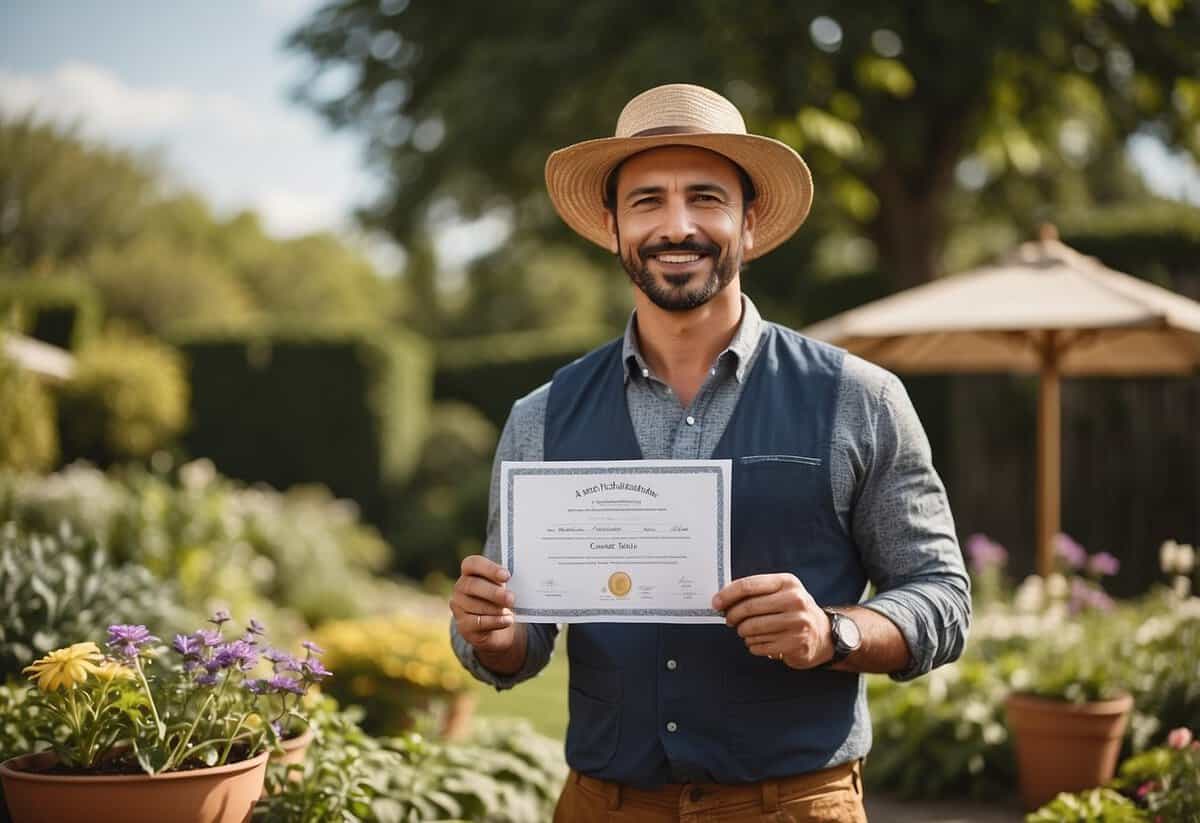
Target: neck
point(680, 347)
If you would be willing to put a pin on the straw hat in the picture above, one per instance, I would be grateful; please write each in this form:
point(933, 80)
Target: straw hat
point(682, 115)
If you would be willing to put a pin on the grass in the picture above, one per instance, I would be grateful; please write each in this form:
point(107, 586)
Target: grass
point(542, 701)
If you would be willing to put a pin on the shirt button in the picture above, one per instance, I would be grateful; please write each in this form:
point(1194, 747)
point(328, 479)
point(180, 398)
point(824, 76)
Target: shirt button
point(645, 372)
point(691, 421)
point(672, 726)
point(672, 665)
point(712, 371)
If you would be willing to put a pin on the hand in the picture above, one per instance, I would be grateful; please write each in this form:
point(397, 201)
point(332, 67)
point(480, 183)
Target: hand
point(776, 617)
point(482, 606)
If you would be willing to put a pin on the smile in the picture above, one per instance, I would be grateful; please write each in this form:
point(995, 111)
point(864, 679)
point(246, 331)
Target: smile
point(677, 258)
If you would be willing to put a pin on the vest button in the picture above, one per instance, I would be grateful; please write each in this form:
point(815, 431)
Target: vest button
point(672, 726)
point(672, 665)
point(691, 421)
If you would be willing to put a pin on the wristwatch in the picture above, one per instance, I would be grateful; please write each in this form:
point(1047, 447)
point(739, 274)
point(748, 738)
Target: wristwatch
point(846, 636)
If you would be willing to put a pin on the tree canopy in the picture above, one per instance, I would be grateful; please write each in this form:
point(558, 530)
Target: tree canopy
point(916, 117)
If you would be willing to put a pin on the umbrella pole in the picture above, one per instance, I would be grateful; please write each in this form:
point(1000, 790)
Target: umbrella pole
point(1049, 455)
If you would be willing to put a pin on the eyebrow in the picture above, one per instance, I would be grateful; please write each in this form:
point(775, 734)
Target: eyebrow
point(697, 188)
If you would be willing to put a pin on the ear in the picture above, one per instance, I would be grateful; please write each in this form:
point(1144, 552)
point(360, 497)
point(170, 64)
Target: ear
point(610, 223)
point(749, 221)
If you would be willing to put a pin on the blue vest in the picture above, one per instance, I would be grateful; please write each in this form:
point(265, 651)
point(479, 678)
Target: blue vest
point(716, 713)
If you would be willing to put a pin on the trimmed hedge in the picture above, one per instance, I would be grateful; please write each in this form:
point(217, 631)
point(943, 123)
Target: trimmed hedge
point(62, 311)
point(493, 371)
point(345, 408)
point(28, 437)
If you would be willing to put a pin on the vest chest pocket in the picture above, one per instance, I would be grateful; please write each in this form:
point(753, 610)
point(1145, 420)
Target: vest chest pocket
point(595, 716)
point(768, 459)
point(778, 502)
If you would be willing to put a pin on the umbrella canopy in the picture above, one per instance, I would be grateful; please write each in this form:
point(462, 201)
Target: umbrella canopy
point(1045, 309)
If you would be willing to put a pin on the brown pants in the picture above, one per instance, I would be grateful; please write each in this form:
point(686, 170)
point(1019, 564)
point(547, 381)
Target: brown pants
point(831, 795)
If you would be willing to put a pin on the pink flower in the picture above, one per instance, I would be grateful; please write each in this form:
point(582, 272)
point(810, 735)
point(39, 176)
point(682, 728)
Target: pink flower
point(1146, 788)
point(1073, 554)
point(1180, 738)
point(1103, 564)
point(984, 554)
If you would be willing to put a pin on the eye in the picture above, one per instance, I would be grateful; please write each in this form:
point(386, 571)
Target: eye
point(642, 201)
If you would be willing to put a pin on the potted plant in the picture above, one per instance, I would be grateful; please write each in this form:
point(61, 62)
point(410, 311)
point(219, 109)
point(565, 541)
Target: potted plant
point(1069, 707)
point(154, 733)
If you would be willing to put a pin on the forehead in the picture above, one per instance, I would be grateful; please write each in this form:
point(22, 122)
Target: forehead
point(661, 164)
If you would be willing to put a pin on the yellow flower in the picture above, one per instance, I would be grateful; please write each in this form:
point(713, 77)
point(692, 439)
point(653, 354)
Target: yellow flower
point(112, 670)
point(65, 667)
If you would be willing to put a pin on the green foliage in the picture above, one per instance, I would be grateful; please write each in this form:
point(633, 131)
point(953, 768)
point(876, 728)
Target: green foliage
point(439, 517)
point(58, 588)
point(1166, 781)
point(25, 725)
point(396, 667)
point(883, 101)
point(127, 399)
point(28, 438)
point(506, 774)
point(60, 310)
point(1092, 806)
point(345, 408)
point(64, 197)
point(276, 556)
point(1155, 241)
point(492, 371)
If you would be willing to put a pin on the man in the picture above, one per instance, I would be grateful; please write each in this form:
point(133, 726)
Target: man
point(833, 489)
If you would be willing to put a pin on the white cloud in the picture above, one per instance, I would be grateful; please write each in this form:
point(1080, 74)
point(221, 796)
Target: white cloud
point(288, 213)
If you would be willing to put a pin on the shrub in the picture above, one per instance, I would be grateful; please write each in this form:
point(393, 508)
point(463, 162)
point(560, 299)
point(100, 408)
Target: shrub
point(342, 407)
point(127, 399)
point(28, 438)
point(396, 667)
point(57, 588)
point(441, 515)
point(62, 311)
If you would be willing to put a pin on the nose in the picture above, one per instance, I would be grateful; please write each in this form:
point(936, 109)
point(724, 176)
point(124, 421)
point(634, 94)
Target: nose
point(677, 223)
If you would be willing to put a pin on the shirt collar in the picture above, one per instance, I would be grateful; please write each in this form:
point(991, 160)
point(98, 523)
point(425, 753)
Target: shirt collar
point(741, 348)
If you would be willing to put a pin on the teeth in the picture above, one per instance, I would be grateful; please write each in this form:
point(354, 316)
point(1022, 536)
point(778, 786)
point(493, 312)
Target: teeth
point(679, 258)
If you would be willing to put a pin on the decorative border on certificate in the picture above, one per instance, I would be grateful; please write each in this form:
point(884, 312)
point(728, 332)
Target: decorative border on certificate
point(722, 572)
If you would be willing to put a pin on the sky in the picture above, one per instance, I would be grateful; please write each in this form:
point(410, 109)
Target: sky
point(205, 83)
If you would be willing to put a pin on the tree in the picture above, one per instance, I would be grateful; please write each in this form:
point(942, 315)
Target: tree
point(898, 107)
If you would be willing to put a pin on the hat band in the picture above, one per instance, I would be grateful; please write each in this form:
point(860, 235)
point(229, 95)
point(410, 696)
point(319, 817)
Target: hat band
point(670, 130)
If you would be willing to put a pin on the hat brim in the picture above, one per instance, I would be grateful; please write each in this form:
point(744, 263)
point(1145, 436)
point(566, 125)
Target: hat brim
point(575, 178)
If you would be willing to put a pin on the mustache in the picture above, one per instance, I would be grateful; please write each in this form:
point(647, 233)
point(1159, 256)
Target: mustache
point(692, 246)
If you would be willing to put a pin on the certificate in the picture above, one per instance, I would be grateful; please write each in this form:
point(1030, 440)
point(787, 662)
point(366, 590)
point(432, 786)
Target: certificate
point(634, 541)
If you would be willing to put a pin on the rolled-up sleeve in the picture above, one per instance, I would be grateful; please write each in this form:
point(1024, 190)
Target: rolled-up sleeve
point(904, 529)
point(520, 440)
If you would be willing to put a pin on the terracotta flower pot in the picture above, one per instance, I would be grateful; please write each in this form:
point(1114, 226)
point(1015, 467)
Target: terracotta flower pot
point(294, 751)
point(221, 794)
point(1064, 747)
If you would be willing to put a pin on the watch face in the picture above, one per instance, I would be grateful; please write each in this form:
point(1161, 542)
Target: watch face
point(847, 632)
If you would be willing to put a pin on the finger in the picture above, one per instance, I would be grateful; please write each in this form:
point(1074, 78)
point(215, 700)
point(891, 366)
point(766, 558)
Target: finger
point(753, 586)
point(778, 603)
point(766, 646)
point(478, 625)
point(477, 565)
point(462, 604)
point(482, 589)
point(769, 624)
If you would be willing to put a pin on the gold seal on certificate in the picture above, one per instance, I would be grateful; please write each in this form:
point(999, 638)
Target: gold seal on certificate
point(575, 535)
point(620, 584)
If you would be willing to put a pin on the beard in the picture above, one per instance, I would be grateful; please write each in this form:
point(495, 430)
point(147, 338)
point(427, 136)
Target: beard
point(671, 293)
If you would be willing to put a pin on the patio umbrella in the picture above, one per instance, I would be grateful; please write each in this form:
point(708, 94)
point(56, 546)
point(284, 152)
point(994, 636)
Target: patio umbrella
point(1045, 309)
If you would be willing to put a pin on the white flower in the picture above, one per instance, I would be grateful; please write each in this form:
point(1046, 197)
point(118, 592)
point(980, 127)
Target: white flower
point(1182, 587)
point(994, 733)
point(1057, 586)
point(1185, 559)
point(1030, 594)
point(1166, 556)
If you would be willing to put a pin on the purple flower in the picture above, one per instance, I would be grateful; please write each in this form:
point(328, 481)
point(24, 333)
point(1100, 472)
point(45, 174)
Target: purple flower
point(209, 637)
point(283, 683)
point(255, 686)
point(312, 647)
point(128, 640)
point(984, 554)
point(187, 645)
point(1103, 564)
point(1073, 554)
point(220, 616)
point(238, 653)
point(207, 679)
point(1085, 596)
point(256, 628)
point(314, 670)
point(275, 655)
